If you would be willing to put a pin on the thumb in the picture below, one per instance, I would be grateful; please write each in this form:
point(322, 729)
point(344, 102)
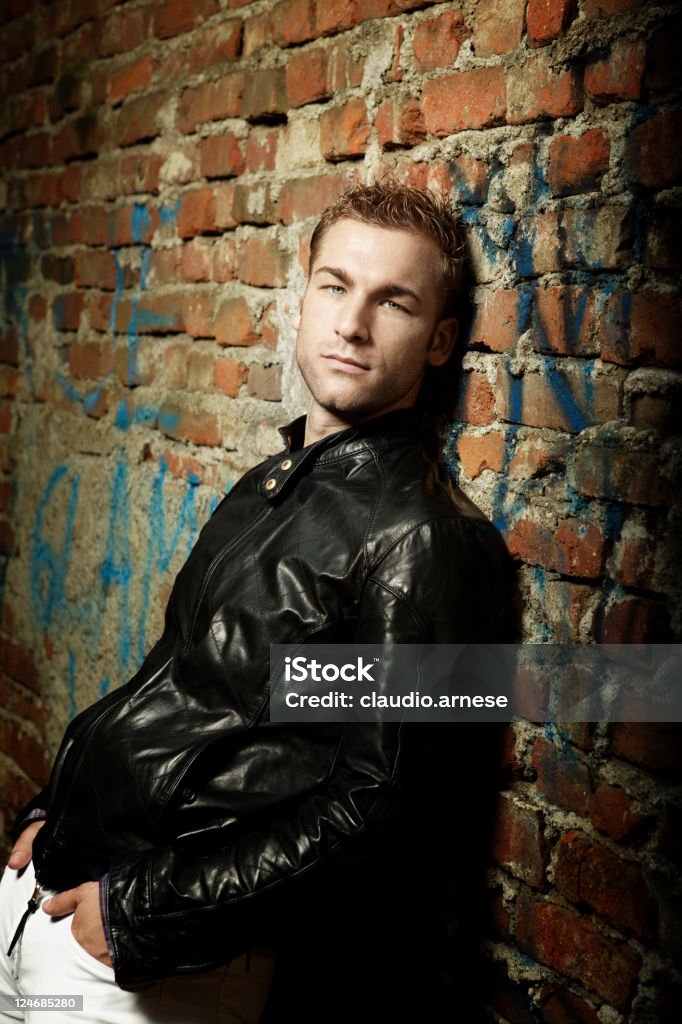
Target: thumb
point(61, 904)
point(20, 856)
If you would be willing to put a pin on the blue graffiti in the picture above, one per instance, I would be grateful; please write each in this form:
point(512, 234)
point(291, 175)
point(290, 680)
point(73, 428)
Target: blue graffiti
point(116, 569)
point(49, 565)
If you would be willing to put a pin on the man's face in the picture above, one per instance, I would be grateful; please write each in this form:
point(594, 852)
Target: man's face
point(369, 323)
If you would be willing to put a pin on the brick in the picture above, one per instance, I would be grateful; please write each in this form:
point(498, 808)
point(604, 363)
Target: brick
point(261, 150)
point(200, 428)
point(220, 156)
point(138, 119)
point(595, 239)
point(498, 26)
point(261, 262)
point(662, 67)
point(197, 213)
point(619, 75)
point(662, 250)
point(292, 22)
point(559, 1006)
point(613, 813)
point(653, 156)
point(437, 41)
point(307, 77)
point(174, 17)
point(302, 198)
point(566, 605)
point(54, 268)
point(588, 872)
point(563, 321)
point(478, 452)
point(467, 99)
point(344, 131)
point(399, 123)
point(547, 19)
point(24, 749)
point(634, 562)
point(89, 360)
point(536, 90)
point(229, 376)
point(6, 417)
point(608, 8)
point(265, 95)
point(470, 178)
point(518, 843)
point(642, 328)
point(576, 548)
point(345, 69)
point(215, 45)
point(130, 78)
point(123, 32)
point(9, 347)
point(224, 260)
point(655, 746)
point(476, 401)
point(257, 32)
point(19, 663)
point(67, 311)
point(234, 323)
point(563, 397)
point(566, 941)
point(629, 476)
point(578, 164)
point(211, 101)
point(632, 620)
point(563, 777)
point(265, 382)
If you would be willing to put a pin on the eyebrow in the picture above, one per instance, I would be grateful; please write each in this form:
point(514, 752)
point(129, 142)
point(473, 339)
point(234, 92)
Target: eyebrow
point(387, 290)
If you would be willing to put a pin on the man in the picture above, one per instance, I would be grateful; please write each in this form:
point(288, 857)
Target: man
point(183, 830)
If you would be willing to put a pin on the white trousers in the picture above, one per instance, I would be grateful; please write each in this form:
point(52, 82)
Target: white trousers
point(48, 961)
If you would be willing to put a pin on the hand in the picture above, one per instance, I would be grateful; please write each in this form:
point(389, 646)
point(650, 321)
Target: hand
point(22, 851)
point(87, 927)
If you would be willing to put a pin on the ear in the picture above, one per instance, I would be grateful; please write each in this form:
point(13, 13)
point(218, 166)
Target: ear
point(442, 342)
point(296, 321)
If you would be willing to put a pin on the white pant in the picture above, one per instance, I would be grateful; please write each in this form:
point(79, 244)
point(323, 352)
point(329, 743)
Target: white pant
point(48, 961)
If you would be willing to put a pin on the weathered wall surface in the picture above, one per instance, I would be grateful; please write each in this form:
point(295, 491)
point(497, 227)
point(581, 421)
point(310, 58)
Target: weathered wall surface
point(164, 164)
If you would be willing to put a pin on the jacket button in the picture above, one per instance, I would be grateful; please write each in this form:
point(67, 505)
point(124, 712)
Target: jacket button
point(287, 464)
point(188, 795)
point(269, 484)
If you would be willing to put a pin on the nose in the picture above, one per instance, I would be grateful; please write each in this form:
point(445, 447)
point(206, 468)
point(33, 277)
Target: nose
point(352, 323)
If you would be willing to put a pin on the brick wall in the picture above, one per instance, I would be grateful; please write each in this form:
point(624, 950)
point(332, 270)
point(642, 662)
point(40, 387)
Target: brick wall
point(165, 161)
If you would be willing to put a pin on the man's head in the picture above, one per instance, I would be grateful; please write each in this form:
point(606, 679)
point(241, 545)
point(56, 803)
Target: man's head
point(379, 304)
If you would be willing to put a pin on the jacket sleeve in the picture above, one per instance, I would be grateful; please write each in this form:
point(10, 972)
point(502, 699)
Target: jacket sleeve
point(173, 909)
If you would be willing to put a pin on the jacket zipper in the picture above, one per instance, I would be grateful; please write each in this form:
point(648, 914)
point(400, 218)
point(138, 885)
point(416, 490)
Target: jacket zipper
point(33, 904)
point(217, 559)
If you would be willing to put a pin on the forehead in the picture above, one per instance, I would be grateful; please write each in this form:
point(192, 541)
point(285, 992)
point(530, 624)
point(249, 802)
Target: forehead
point(376, 252)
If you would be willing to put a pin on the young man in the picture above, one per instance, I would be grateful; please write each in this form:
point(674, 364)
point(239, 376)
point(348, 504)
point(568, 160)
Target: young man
point(183, 830)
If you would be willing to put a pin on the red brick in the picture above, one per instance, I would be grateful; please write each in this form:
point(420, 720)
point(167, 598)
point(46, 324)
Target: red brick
point(642, 328)
point(578, 164)
point(257, 32)
point(565, 606)
point(24, 749)
point(612, 812)
point(663, 232)
point(633, 620)
point(563, 778)
point(532, 398)
point(470, 178)
point(196, 260)
point(663, 69)
point(200, 428)
point(224, 260)
point(588, 872)
point(67, 310)
point(399, 123)
point(564, 321)
point(476, 404)
point(221, 156)
point(345, 70)
point(123, 31)
point(211, 101)
point(594, 239)
point(617, 76)
point(293, 22)
point(265, 382)
point(344, 131)
point(261, 262)
point(19, 663)
point(173, 17)
point(254, 204)
point(437, 41)
point(546, 19)
point(137, 120)
point(467, 99)
point(518, 843)
point(90, 360)
point(559, 1006)
point(335, 16)
point(653, 156)
point(566, 941)
point(633, 477)
point(131, 78)
point(535, 90)
point(229, 376)
point(498, 26)
point(234, 323)
point(261, 150)
point(306, 77)
point(197, 213)
point(302, 198)
point(478, 452)
point(654, 746)
point(265, 95)
point(215, 45)
point(575, 549)
point(634, 562)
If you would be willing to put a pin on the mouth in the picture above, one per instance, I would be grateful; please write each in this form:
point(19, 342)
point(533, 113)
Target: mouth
point(345, 365)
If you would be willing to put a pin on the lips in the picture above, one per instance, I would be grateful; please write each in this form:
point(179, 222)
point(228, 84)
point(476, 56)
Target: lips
point(344, 364)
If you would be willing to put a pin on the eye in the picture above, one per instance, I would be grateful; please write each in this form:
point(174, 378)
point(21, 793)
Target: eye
point(333, 289)
point(390, 304)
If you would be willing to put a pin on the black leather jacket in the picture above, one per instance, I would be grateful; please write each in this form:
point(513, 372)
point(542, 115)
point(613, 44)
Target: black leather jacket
point(211, 822)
